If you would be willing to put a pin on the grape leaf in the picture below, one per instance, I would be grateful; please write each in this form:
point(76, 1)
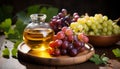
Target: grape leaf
point(51, 11)
point(14, 52)
point(5, 12)
point(105, 59)
point(43, 10)
point(21, 16)
point(17, 43)
point(97, 59)
point(20, 26)
point(33, 9)
point(11, 31)
point(5, 25)
point(116, 52)
point(6, 52)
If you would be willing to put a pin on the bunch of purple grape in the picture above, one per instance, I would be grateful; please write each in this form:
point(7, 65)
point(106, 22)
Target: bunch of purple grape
point(62, 19)
point(65, 42)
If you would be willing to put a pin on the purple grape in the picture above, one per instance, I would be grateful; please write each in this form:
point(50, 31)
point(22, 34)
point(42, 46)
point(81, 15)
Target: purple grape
point(65, 44)
point(73, 52)
point(77, 44)
point(70, 46)
point(55, 17)
point(63, 51)
point(60, 15)
point(82, 49)
point(75, 13)
point(75, 38)
point(64, 11)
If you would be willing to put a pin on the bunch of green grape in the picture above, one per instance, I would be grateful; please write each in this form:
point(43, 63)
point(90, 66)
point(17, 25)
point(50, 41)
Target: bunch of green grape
point(95, 25)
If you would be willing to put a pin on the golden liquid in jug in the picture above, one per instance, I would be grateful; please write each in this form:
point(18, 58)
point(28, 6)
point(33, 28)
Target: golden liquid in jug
point(38, 37)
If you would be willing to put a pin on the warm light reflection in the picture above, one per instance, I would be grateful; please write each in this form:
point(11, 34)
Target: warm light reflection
point(40, 52)
point(44, 54)
point(43, 48)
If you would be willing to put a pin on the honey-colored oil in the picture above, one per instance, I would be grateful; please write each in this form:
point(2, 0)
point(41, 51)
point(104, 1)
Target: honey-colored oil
point(38, 37)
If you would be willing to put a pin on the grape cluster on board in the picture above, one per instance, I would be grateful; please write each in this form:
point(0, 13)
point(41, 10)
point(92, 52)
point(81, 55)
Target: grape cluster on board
point(65, 42)
point(95, 25)
point(62, 19)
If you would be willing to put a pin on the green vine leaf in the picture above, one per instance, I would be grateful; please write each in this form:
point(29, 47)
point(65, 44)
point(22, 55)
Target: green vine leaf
point(6, 24)
point(14, 52)
point(97, 59)
point(6, 52)
point(116, 52)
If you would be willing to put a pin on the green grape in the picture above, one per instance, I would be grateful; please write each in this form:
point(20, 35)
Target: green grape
point(89, 23)
point(104, 24)
point(73, 25)
point(116, 26)
point(109, 33)
point(81, 20)
point(110, 22)
point(105, 18)
point(97, 33)
point(115, 31)
point(95, 25)
point(105, 30)
point(109, 28)
point(91, 19)
point(103, 33)
point(100, 31)
point(91, 33)
point(99, 26)
point(95, 30)
point(86, 28)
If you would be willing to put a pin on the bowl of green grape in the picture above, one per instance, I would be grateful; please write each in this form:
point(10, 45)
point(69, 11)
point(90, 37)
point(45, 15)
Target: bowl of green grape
point(101, 31)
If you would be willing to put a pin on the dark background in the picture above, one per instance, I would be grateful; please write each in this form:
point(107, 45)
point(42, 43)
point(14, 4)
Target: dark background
point(106, 7)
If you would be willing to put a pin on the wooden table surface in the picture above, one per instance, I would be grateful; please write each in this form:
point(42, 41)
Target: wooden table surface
point(13, 63)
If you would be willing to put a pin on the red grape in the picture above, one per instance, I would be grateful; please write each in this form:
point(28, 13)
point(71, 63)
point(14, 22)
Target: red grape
point(52, 44)
point(64, 29)
point(55, 37)
point(70, 38)
point(85, 39)
point(60, 35)
point(58, 43)
point(69, 32)
point(56, 52)
point(65, 41)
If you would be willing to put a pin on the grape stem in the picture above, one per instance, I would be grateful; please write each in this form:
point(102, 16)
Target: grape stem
point(116, 21)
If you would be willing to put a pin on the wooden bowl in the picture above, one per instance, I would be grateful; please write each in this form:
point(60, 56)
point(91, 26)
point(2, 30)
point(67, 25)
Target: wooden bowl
point(25, 55)
point(103, 41)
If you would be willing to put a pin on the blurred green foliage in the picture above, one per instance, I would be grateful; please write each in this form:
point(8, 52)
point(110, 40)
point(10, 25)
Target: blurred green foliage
point(5, 12)
point(45, 9)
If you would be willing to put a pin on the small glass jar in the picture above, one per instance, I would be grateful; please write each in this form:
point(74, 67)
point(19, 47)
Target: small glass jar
point(38, 33)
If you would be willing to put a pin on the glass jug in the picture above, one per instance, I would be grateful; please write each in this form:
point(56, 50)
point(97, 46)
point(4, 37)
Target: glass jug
point(38, 33)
